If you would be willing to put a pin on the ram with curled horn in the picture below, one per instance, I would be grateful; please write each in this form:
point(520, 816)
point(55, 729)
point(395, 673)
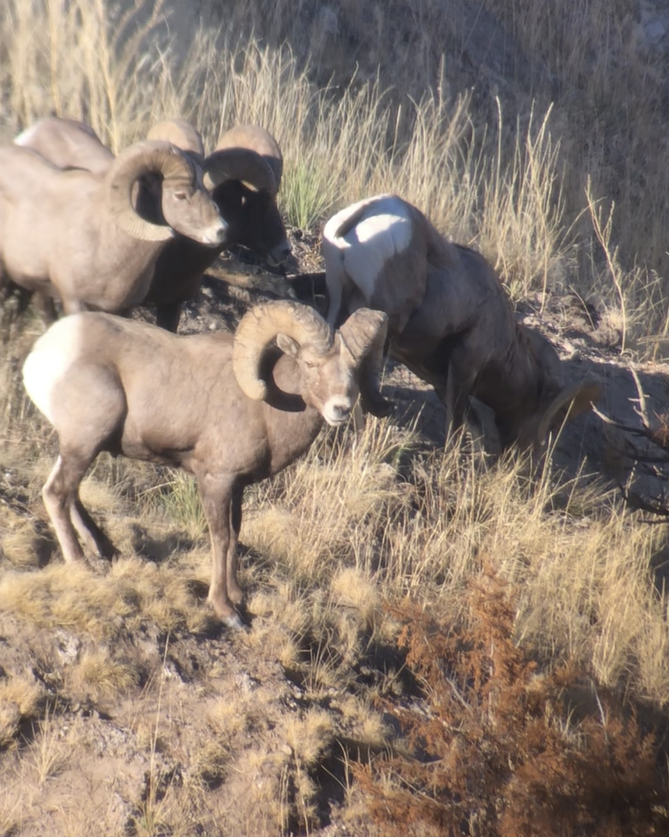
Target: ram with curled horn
point(231, 410)
point(80, 237)
point(244, 175)
point(450, 320)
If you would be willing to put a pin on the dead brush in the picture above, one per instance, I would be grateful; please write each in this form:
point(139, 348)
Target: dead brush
point(504, 750)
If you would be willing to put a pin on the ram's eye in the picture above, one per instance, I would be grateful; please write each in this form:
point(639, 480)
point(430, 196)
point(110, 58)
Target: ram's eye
point(309, 364)
point(180, 196)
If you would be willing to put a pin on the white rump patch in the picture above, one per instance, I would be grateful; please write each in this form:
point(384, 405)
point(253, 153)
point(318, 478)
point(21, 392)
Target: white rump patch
point(384, 229)
point(49, 361)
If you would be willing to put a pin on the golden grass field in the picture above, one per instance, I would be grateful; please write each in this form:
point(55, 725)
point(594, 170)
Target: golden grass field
point(438, 644)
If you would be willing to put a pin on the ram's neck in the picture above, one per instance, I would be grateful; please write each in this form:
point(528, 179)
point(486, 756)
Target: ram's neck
point(291, 424)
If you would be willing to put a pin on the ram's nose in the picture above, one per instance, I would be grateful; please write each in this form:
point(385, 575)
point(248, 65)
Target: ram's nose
point(337, 411)
point(216, 234)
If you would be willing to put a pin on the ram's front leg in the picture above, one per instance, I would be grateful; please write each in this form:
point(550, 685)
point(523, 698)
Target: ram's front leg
point(217, 494)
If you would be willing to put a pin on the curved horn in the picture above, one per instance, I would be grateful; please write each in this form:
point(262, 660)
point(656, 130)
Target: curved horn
point(364, 335)
point(135, 161)
point(256, 139)
point(239, 164)
point(365, 332)
point(179, 133)
point(578, 397)
point(259, 326)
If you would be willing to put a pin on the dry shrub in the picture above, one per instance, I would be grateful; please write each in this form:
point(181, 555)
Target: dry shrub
point(504, 750)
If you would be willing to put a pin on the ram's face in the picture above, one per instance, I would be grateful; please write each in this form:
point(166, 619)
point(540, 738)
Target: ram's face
point(254, 220)
point(189, 209)
point(328, 379)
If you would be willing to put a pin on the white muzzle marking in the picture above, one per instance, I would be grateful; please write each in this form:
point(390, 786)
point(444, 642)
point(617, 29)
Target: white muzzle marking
point(337, 410)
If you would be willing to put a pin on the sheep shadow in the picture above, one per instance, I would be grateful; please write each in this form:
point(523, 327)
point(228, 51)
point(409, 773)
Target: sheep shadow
point(158, 550)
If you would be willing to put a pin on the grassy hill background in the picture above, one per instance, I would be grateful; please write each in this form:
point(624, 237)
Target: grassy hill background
point(437, 646)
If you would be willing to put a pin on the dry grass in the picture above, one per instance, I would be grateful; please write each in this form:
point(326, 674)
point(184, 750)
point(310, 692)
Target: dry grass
point(426, 531)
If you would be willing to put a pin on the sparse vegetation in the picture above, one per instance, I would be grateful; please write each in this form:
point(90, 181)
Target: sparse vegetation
point(505, 748)
point(435, 643)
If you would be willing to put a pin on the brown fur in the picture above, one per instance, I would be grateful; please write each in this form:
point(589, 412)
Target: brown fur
point(58, 235)
point(451, 322)
point(67, 143)
point(134, 389)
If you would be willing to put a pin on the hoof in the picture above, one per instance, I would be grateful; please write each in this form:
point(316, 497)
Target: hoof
point(235, 622)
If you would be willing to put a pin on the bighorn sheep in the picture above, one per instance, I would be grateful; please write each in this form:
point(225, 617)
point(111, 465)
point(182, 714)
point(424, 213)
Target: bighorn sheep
point(67, 143)
point(450, 320)
point(228, 409)
point(75, 235)
point(245, 171)
point(244, 174)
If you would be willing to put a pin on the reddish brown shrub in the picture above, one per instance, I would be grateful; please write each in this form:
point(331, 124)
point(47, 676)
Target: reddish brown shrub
point(499, 750)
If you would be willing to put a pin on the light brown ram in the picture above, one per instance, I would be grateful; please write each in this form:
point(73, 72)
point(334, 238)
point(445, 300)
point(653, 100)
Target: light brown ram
point(450, 320)
point(75, 235)
point(231, 411)
point(245, 174)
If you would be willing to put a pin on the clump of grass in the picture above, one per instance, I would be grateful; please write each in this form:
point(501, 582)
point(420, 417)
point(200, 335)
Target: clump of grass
point(307, 196)
point(102, 673)
point(21, 699)
point(132, 594)
point(50, 752)
point(179, 500)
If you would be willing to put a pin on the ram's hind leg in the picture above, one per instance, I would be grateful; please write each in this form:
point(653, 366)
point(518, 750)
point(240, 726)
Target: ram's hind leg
point(60, 494)
point(94, 539)
point(100, 409)
point(463, 418)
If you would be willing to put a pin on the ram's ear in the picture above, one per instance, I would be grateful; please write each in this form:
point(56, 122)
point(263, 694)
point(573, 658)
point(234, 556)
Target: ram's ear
point(287, 345)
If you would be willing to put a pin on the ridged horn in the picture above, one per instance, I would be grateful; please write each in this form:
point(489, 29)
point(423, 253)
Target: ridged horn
point(578, 397)
point(239, 164)
point(179, 133)
point(364, 335)
point(136, 160)
point(257, 139)
point(259, 326)
point(365, 332)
